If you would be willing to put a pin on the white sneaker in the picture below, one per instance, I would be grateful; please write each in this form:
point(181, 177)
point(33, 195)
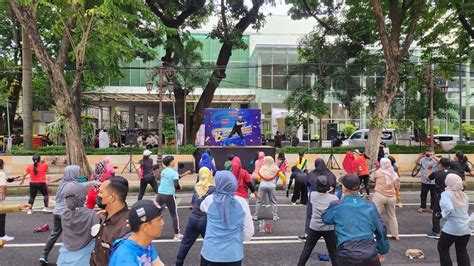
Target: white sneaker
point(178, 237)
point(30, 211)
point(48, 210)
point(293, 203)
point(7, 238)
point(276, 218)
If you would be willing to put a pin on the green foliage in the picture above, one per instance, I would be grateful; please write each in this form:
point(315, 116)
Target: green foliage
point(169, 127)
point(87, 131)
point(55, 129)
point(467, 130)
point(118, 124)
point(348, 129)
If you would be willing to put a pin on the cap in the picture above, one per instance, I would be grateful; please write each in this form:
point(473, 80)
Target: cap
point(322, 184)
point(350, 181)
point(147, 153)
point(143, 211)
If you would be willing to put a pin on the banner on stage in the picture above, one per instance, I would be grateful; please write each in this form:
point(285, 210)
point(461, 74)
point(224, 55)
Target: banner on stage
point(224, 127)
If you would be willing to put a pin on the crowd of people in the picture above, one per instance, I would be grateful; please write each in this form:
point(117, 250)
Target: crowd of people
point(98, 227)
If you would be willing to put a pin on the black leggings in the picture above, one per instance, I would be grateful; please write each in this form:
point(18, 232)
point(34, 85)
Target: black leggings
point(311, 241)
point(460, 242)
point(205, 262)
point(300, 192)
point(2, 224)
point(144, 182)
point(53, 237)
point(170, 203)
point(43, 189)
point(365, 180)
point(238, 131)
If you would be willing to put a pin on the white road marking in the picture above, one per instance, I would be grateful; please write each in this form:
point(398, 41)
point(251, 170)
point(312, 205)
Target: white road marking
point(258, 240)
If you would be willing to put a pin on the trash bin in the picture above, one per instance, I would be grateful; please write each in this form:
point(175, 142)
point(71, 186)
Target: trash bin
point(37, 142)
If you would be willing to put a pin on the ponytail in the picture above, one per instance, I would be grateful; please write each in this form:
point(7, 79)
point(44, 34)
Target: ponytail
point(36, 160)
point(35, 168)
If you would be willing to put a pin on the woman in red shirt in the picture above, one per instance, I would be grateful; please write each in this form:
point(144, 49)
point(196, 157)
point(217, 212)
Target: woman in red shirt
point(100, 175)
point(37, 172)
point(363, 174)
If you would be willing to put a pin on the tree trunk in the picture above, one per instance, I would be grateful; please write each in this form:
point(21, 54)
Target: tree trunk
point(180, 96)
point(74, 147)
point(381, 110)
point(206, 97)
point(27, 84)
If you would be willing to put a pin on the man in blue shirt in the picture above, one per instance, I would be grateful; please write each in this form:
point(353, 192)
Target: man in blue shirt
point(146, 224)
point(356, 222)
point(428, 165)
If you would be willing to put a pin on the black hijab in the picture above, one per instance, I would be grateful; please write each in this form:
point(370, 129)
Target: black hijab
point(320, 168)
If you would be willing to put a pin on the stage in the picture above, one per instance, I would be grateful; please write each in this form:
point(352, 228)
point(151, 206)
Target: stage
point(245, 153)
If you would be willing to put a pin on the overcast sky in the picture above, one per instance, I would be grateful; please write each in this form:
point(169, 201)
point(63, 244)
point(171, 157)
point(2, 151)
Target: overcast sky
point(280, 9)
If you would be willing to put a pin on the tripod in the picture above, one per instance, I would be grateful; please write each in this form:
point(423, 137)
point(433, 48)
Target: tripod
point(130, 166)
point(332, 161)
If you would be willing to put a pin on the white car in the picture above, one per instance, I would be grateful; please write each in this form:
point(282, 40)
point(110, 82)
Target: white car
point(359, 138)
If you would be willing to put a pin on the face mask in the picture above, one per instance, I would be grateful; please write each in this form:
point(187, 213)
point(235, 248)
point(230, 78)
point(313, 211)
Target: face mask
point(427, 155)
point(99, 203)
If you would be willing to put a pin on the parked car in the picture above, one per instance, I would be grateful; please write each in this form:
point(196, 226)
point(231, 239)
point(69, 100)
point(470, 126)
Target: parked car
point(359, 138)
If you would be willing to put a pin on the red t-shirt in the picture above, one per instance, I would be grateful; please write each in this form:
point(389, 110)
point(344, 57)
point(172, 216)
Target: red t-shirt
point(40, 177)
point(363, 165)
point(242, 188)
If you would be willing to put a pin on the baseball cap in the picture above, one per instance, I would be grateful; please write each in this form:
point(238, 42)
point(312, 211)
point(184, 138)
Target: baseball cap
point(147, 153)
point(143, 211)
point(322, 184)
point(350, 181)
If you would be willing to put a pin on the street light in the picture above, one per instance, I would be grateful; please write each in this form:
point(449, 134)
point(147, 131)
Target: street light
point(430, 88)
point(168, 73)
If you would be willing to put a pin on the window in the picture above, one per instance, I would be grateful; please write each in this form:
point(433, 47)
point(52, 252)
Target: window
point(279, 83)
point(356, 135)
point(266, 82)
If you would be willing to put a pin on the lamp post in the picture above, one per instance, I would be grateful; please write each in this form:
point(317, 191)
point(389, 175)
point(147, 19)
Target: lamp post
point(430, 88)
point(168, 73)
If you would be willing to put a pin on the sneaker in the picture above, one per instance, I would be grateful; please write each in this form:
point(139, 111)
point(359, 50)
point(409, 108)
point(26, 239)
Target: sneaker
point(276, 218)
point(30, 211)
point(178, 237)
point(400, 205)
point(47, 210)
point(420, 210)
point(43, 260)
point(433, 235)
point(255, 217)
point(7, 238)
point(302, 237)
point(293, 203)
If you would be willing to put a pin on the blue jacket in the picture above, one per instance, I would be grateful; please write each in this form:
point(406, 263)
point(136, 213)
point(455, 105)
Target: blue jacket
point(356, 222)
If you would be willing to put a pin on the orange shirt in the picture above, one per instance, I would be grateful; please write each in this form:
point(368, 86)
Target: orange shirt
point(40, 177)
point(363, 165)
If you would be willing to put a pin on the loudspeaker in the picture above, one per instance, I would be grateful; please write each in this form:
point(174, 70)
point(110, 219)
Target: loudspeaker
point(185, 166)
point(331, 131)
point(131, 137)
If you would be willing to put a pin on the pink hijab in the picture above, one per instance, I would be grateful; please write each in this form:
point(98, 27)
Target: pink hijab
point(108, 166)
point(387, 170)
point(260, 161)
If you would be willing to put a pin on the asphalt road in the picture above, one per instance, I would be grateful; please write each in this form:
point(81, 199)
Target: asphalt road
point(279, 248)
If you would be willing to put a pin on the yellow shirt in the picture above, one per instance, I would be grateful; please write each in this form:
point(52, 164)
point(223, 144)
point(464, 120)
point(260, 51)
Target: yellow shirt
point(303, 165)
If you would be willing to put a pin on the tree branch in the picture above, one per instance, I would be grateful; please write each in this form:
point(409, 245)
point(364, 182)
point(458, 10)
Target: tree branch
point(396, 23)
point(66, 39)
point(319, 20)
point(466, 25)
point(27, 20)
point(80, 57)
point(410, 35)
point(181, 18)
point(379, 17)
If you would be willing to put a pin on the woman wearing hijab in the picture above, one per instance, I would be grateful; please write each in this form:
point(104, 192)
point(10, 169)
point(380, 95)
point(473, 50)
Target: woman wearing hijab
point(244, 182)
point(71, 174)
point(258, 163)
point(229, 223)
point(268, 177)
point(320, 169)
point(206, 161)
point(454, 209)
point(80, 226)
point(197, 220)
point(387, 183)
point(109, 168)
point(100, 175)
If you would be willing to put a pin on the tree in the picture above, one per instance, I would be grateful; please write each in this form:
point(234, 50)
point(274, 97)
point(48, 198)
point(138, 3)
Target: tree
point(27, 69)
point(181, 50)
point(234, 18)
point(77, 23)
point(394, 22)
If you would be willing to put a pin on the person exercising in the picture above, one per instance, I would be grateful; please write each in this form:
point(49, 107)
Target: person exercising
point(238, 127)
